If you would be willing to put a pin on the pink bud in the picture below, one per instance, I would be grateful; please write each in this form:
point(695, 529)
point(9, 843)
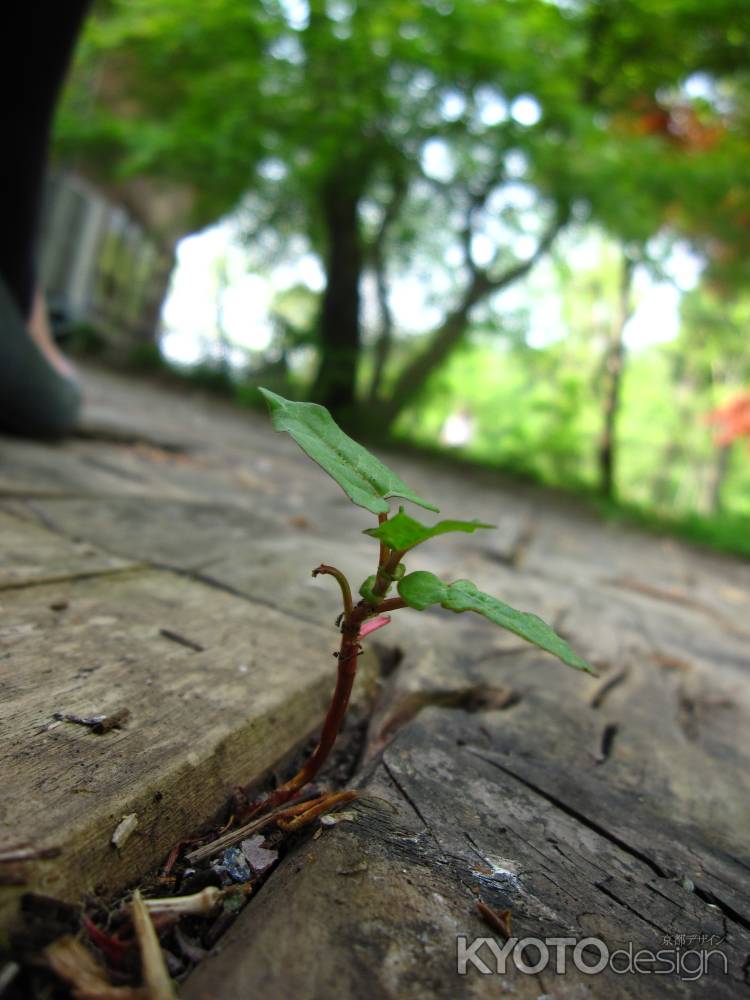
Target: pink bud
point(372, 625)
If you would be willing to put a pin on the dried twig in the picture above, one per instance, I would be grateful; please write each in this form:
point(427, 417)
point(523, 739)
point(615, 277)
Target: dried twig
point(235, 836)
point(156, 978)
point(71, 961)
point(498, 921)
point(323, 806)
point(199, 904)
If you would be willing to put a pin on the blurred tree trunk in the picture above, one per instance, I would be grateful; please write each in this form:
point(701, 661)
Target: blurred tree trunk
point(385, 335)
point(339, 328)
point(717, 479)
point(379, 267)
point(683, 388)
point(614, 363)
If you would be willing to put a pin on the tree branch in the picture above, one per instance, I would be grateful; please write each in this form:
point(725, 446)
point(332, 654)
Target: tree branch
point(453, 328)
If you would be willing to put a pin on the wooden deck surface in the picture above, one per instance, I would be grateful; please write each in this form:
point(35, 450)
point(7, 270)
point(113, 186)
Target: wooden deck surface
point(617, 808)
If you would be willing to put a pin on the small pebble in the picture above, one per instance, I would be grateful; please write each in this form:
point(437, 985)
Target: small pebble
point(260, 858)
point(233, 862)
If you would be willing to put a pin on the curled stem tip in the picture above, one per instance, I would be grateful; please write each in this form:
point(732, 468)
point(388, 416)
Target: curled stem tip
point(346, 590)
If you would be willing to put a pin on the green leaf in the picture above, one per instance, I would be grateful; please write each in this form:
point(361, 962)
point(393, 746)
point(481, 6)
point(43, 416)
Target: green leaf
point(422, 589)
point(402, 532)
point(364, 478)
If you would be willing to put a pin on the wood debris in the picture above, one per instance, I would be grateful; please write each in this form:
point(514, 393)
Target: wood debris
point(124, 830)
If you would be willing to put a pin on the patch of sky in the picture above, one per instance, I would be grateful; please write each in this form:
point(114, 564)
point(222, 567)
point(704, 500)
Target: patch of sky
point(437, 160)
point(296, 13)
point(452, 105)
point(287, 49)
point(272, 170)
point(526, 110)
point(492, 108)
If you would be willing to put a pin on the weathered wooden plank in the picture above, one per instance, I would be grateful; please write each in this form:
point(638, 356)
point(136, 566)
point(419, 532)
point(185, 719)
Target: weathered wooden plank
point(596, 807)
point(616, 808)
point(200, 723)
point(267, 556)
point(31, 554)
point(375, 906)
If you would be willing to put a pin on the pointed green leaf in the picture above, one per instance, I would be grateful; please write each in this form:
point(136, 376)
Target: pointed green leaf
point(422, 589)
point(402, 532)
point(364, 478)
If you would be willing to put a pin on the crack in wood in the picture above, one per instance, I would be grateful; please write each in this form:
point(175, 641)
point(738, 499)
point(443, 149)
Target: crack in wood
point(606, 742)
point(576, 815)
point(406, 706)
point(114, 435)
point(400, 788)
point(43, 581)
point(604, 689)
point(114, 470)
point(706, 895)
point(211, 581)
point(631, 909)
point(729, 912)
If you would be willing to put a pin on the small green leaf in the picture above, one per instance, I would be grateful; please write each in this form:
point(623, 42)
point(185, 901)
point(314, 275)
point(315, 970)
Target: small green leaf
point(364, 478)
point(365, 589)
point(422, 589)
point(402, 532)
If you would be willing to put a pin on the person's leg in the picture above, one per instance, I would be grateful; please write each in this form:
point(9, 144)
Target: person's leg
point(37, 393)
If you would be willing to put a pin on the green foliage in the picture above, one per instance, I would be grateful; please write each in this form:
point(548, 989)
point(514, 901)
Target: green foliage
point(365, 480)
point(402, 532)
point(420, 590)
point(350, 97)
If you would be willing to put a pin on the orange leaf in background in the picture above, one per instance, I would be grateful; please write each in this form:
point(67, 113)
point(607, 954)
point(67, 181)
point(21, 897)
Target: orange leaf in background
point(732, 420)
point(682, 125)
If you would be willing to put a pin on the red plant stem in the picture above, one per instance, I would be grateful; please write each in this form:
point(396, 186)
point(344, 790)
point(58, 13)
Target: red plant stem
point(392, 604)
point(349, 651)
point(382, 518)
point(347, 669)
point(384, 575)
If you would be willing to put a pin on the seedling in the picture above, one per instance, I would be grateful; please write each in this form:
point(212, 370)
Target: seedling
point(370, 484)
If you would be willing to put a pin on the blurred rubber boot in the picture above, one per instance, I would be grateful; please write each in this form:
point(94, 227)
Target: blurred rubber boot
point(35, 399)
